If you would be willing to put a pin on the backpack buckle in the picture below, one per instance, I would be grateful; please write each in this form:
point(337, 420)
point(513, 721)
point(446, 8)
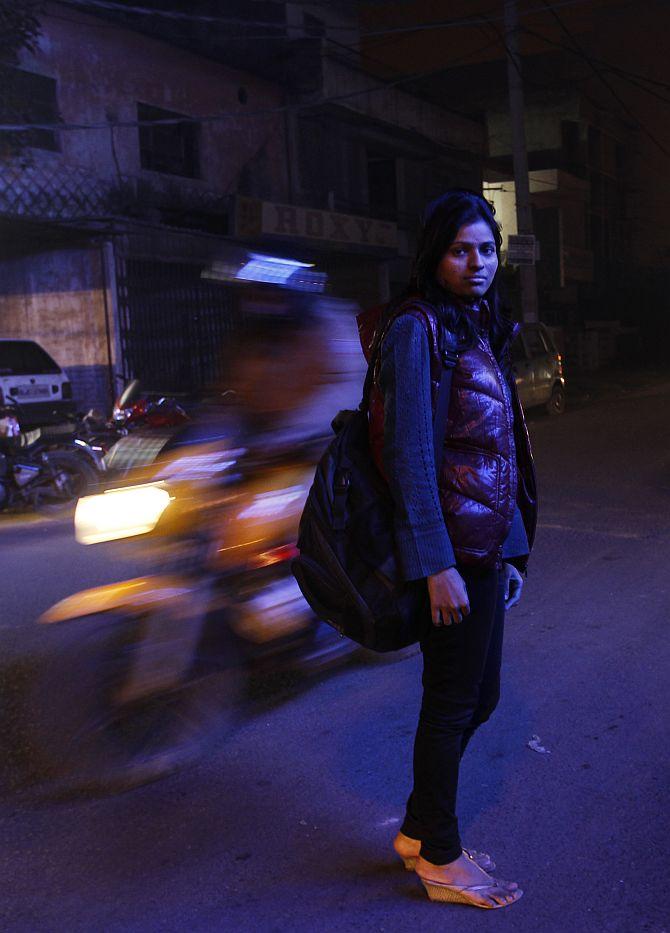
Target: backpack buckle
point(449, 357)
point(341, 481)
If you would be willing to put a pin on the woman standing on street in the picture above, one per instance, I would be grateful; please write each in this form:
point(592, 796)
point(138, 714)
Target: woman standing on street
point(468, 531)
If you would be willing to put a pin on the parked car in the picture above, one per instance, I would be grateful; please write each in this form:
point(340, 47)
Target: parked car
point(538, 369)
point(34, 380)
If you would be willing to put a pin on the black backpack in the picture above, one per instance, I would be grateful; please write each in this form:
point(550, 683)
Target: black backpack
point(347, 569)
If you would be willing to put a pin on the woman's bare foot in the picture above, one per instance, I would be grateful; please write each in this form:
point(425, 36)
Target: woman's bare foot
point(408, 850)
point(463, 879)
point(406, 847)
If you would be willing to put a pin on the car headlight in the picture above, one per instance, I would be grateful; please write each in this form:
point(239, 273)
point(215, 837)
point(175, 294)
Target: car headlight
point(120, 513)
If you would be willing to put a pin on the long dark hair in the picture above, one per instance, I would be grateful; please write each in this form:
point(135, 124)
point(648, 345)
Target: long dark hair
point(442, 219)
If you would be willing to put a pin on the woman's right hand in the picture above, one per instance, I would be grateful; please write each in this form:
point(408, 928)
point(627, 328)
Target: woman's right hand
point(448, 597)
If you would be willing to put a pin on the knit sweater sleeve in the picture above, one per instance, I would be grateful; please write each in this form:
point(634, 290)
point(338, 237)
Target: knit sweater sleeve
point(516, 543)
point(421, 535)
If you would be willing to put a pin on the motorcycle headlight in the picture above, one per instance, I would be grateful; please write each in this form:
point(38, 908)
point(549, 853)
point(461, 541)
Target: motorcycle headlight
point(120, 513)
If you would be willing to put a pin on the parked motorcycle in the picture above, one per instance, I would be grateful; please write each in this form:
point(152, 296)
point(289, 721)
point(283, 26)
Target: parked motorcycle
point(152, 667)
point(98, 431)
point(46, 469)
point(133, 410)
point(135, 407)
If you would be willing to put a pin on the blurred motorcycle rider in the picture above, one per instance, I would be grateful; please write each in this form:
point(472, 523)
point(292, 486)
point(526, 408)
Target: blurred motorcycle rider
point(295, 361)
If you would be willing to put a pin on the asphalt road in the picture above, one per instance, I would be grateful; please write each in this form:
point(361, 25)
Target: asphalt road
point(287, 826)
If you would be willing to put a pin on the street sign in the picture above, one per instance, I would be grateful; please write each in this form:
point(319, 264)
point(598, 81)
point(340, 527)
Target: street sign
point(521, 249)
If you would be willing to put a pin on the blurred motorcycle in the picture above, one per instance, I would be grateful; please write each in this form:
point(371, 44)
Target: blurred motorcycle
point(150, 668)
point(144, 671)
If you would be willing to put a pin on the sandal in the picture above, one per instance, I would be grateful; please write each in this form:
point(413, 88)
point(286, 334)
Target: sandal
point(468, 894)
point(405, 848)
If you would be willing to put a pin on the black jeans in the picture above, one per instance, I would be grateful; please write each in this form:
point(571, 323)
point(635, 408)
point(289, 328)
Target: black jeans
point(461, 687)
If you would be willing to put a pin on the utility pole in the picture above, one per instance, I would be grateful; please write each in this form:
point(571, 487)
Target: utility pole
point(524, 214)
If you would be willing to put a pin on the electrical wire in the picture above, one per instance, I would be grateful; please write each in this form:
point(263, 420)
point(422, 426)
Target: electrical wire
point(422, 76)
point(380, 86)
point(111, 6)
point(578, 50)
point(632, 77)
point(227, 115)
point(236, 114)
point(338, 46)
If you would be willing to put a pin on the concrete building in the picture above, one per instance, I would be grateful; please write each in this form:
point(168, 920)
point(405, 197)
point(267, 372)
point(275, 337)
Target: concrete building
point(177, 140)
point(84, 269)
point(578, 156)
point(597, 133)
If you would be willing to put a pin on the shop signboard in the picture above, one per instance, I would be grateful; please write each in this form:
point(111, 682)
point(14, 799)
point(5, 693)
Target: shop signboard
point(256, 218)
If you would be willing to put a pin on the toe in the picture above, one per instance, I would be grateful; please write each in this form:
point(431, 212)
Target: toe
point(496, 897)
point(506, 885)
point(504, 893)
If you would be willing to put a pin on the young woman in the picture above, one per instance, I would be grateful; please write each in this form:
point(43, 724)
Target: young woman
point(468, 531)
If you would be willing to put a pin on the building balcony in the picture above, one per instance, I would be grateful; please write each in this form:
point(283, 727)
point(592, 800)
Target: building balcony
point(55, 192)
point(351, 88)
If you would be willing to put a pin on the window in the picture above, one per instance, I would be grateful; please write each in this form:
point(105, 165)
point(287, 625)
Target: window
point(571, 140)
point(594, 147)
point(24, 358)
point(28, 98)
point(315, 153)
point(171, 148)
point(620, 160)
point(313, 26)
point(518, 351)
point(596, 233)
point(382, 186)
point(548, 339)
point(534, 342)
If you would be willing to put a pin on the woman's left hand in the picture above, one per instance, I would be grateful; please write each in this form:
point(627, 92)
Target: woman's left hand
point(513, 585)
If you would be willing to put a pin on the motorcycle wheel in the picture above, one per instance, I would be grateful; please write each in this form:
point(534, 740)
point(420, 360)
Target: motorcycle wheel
point(84, 741)
point(75, 477)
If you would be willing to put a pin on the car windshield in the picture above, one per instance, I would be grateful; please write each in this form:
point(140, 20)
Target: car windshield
point(25, 358)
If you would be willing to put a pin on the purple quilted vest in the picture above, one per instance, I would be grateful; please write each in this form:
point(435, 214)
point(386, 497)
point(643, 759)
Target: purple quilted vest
point(479, 475)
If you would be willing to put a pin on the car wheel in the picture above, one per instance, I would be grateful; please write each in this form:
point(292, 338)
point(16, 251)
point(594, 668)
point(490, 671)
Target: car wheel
point(556, 403)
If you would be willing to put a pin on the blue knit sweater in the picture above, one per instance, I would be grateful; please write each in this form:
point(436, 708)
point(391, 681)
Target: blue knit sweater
point(409, 457)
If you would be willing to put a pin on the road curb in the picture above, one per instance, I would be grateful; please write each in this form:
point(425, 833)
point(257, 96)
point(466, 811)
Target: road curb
point(21, 528)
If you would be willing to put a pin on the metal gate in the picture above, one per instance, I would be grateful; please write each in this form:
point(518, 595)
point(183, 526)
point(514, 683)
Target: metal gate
point(173, 325)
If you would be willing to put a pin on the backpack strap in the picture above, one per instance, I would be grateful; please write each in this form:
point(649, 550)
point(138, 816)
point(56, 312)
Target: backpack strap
point(383, 328)
point(375, 351)
point(449, 357)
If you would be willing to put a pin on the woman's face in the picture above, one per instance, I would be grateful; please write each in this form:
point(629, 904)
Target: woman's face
point(469, 265)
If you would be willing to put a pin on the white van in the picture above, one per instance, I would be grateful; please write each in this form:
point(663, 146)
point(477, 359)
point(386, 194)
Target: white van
point(29, 376)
